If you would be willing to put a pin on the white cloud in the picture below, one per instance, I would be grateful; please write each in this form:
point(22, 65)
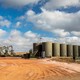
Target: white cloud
point(18, 24)
point(70, 40)
point(15, 33)
point(61, 24)
point(56, 4)
point(2, 33)
point(61, 33)
point(20, 41)
point(76, 33)
point(24, 41)
point(30, 13)
point(4, 22)
point(17, 3)
point(54, 21)
point(1, 18)
point(45, 39)
point(30, 34)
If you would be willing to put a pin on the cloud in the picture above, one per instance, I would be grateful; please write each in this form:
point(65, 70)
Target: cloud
point(65, 27)
point(74, 40)
point(2, 33)
point(18, 24)
point(30, 13)
point(17, 3)
point(21, 41)
point(15, 33)
point(55, 21)
point(61, 33)
point(4, 22)
point(76, 33)
point(57, 4)
point(1, 18)
point(30, 34)
point(45, 39)
point(48, 4)
point(24, 41)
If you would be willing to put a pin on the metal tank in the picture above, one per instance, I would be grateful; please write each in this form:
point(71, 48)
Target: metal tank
point(35, 47)
point(47, 48)
point(75, 51)
point(63, 50)
point(79, 50)
point(43, 54)
point(56, 49)
point(69, 50)
point(39, 50)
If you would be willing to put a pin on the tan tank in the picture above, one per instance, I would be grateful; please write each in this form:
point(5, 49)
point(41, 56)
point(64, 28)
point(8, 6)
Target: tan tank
point(56, 49)
point(63, 50)
point(47, 48)
point(75, 51)
point(69, 50)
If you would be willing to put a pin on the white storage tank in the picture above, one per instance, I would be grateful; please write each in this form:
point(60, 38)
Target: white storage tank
point(69, 50)
point(63, 50)
point(56, 49)
point(75, 51)
point(47, 48)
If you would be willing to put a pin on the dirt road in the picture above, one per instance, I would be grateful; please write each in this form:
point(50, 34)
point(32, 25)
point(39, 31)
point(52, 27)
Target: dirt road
point(37, 69)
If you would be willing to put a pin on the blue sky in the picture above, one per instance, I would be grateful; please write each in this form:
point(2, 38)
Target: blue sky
point(23, 22)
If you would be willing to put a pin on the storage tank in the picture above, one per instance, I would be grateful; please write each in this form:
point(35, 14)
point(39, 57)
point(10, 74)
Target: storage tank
point(43, 54)
point(35, 47)
point(75, 51)
point(63, 50)
point(69, 50)
point(39, 50)
point(56, 49)
point(79, 50)
point(47, 48)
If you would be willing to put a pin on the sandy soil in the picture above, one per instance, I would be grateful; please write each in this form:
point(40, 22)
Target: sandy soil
point(37, 69)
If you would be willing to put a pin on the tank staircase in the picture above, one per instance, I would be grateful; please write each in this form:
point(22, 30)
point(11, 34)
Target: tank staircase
point(35, 53)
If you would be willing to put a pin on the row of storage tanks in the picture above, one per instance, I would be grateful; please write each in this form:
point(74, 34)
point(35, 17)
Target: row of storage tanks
point(49, 49)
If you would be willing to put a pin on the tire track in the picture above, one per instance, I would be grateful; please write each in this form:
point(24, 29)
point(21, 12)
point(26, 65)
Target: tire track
point(20, 69)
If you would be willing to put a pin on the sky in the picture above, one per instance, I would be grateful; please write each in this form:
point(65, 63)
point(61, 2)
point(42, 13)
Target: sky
point(24, 22)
